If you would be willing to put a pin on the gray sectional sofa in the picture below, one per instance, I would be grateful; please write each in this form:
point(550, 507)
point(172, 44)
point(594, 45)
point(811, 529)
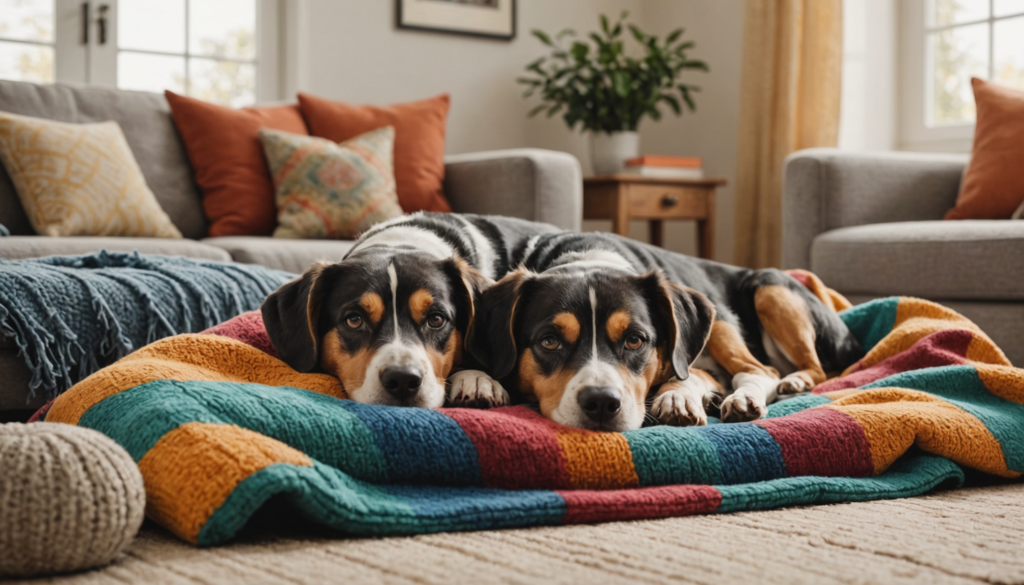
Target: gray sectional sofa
point(527, 183)
point(870, 225)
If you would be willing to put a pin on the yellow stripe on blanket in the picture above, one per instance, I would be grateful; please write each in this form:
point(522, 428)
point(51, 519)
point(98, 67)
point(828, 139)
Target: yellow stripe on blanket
point(1005, 382)
point(895, 418)
point(916, 319)
point(192, 470)
point(190, 357)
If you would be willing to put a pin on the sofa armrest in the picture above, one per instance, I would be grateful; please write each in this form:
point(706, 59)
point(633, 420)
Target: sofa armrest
point(533, 184)
point(825, 188)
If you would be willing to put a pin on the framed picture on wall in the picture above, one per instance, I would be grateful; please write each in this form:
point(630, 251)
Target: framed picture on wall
point(479, 18)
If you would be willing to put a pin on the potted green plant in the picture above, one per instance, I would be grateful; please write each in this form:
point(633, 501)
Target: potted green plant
point(606, 90)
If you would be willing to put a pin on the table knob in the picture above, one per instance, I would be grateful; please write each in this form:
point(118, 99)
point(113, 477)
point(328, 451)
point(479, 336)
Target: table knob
point(669, 200)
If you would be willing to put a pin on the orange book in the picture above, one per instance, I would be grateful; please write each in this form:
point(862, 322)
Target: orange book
point(653, 160)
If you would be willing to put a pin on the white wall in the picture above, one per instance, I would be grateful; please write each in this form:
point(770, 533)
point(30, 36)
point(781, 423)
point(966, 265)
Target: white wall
point(352, 51)
point(868, 108)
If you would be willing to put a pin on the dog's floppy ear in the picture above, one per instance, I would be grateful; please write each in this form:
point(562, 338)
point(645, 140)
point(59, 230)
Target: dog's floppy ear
point(291, 315)
point(687, 316)
point(467, 285)
point(492, 341)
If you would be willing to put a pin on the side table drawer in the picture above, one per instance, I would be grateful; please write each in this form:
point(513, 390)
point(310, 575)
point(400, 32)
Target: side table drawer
point(667, 202)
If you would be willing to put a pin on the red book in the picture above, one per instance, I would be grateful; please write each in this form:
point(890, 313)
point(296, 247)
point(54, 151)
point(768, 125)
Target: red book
point(653, 160)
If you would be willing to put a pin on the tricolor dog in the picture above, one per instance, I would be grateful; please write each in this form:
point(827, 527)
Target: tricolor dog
point(391, 318)
point(590, 323)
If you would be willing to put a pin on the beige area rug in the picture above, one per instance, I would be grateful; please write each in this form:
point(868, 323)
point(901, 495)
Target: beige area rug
point(966, 536)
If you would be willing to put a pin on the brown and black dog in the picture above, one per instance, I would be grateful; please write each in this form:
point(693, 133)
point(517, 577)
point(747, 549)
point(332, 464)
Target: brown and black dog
point(590, 323)
point(390, 319)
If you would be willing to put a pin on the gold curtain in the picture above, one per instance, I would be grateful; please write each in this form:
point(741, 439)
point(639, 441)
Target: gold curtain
point(789, 100)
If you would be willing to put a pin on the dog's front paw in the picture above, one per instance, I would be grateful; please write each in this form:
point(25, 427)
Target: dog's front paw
point(679, 408)
point(741, 407)
point(475, 389)
point(794, 384)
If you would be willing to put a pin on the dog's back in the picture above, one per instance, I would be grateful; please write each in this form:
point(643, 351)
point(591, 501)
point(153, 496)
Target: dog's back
point(492, 245)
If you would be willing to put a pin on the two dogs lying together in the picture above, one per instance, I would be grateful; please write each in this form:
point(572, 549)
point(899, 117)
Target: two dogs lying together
point(433, 308)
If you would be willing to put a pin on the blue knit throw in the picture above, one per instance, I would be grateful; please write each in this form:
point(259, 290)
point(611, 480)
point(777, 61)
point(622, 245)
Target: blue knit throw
point(72, 315)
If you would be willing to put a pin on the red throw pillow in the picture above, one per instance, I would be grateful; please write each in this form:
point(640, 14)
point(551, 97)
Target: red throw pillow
point(224, 147)
point(993, 184)
point(419, 141)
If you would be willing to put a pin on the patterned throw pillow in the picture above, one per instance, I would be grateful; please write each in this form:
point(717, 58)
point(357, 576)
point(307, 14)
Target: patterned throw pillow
point(79, 179)
point(328, 190)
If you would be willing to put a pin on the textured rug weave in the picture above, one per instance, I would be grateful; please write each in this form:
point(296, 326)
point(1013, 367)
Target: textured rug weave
point(71, 315)
point(219, 425)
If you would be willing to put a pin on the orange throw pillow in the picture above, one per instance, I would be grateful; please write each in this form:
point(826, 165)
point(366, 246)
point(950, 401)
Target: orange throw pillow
point(419, 141)
point(993, 184)
point(224, 147)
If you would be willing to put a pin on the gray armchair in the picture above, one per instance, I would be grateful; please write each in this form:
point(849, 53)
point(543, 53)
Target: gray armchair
point(870, 225)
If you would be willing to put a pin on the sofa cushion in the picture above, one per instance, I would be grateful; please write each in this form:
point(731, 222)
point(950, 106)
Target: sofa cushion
point(993, 185)
point(291, 255)
point(419, 141)
point(146, 121)
point(940, 260)
point(21, 247)
point(330, 190)
point(224, 147)
point(79, 179)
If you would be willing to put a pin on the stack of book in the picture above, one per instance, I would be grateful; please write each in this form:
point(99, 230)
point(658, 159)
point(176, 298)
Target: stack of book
point(665, 167)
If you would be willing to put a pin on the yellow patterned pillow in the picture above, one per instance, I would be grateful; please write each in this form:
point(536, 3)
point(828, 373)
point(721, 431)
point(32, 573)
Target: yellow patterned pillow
point(79, 179)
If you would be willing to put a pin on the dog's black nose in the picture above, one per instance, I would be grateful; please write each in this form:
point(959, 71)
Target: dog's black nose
point(601, 403)
point(401, 382)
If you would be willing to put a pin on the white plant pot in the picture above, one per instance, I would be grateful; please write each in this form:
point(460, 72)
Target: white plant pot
point(609, 152)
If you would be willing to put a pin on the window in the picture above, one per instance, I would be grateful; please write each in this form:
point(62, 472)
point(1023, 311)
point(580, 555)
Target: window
point(26, 40)
point(221, 51)
point(970, 38)
point(942, 44)
point(203, 48)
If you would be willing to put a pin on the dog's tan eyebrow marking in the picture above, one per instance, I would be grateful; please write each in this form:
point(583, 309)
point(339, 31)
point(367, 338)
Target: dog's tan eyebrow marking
point(373, 305)
point(419, 302)
point(568, 325)
point(617, 324)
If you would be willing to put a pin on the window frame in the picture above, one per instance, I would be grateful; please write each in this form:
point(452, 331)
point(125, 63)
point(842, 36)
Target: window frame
point(103, 58)
point(76, 61)
point(914, 133)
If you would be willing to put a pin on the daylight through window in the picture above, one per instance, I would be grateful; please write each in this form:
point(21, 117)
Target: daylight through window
point(970, 38)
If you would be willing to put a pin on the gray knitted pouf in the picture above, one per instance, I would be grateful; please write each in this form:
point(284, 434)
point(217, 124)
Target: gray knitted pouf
point(70, 499)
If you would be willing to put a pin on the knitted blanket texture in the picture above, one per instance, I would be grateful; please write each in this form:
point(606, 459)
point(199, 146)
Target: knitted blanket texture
point(218, 425)
point(71, 315)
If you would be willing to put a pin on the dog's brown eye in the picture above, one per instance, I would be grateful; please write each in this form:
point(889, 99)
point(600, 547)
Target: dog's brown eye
point(634, 342)
point(435, 320)
point(550, 343)
point(354, 321)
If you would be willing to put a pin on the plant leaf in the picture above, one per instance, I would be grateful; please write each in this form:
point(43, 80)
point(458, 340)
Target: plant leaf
point(579, 51)
point(673, 102)
point(673, 36)
point(543, 36)
point(604, 24)
point(536, 110)
point(637, 33)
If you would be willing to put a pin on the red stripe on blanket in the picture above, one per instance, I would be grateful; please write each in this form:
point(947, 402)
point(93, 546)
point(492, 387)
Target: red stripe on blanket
point(821, 441)
point(247, 328)
point(942, 348)
point(635, 504)
point(520, 456)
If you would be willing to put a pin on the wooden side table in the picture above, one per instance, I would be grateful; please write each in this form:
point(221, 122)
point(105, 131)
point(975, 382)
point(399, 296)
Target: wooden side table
point(622, 198)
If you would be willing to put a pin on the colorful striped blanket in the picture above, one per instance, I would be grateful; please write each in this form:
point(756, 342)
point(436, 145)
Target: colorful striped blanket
point(218, 425)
